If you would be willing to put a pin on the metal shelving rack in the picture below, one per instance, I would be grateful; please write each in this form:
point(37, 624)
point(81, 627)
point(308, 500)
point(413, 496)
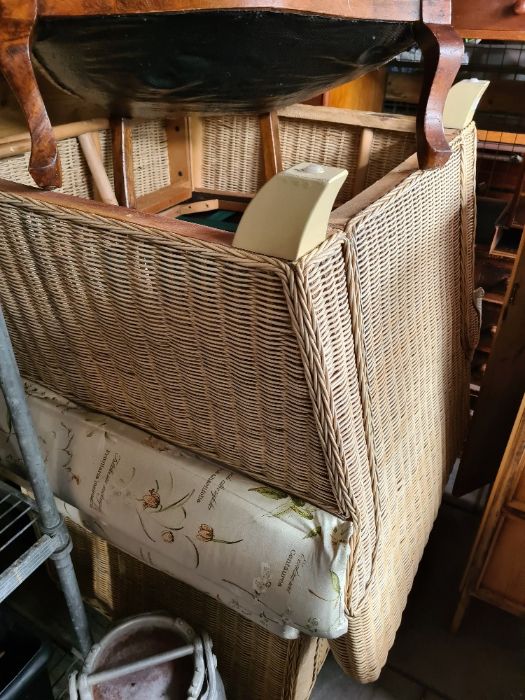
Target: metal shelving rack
point(18, 513)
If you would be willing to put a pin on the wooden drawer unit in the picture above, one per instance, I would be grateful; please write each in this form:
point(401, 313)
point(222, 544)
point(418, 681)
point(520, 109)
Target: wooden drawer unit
point(492, 19)
point(496, 569)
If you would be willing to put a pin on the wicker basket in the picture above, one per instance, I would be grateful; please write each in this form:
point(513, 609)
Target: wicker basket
point(341, 378)
point(253, 663)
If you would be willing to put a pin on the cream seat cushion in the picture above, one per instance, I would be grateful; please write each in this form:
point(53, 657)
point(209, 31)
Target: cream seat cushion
point(274, 558)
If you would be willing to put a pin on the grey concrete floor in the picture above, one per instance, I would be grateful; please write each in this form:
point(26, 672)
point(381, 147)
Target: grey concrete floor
point(485, 660)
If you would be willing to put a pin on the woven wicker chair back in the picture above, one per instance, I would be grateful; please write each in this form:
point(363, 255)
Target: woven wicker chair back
point(341, 378)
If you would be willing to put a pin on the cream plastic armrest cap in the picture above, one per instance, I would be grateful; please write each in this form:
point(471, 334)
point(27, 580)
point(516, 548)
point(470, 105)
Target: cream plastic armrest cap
point(289, 215)
point(462, 101)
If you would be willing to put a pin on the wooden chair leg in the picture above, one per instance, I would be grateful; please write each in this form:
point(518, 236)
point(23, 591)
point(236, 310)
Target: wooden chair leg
point(442, 51)
point(90, 144)
point(17, 18)
point(123, 174)
point(271, 144)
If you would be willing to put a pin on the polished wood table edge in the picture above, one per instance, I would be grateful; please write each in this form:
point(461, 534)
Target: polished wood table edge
point(441, 47)
point(389, 10)
point(491, 34)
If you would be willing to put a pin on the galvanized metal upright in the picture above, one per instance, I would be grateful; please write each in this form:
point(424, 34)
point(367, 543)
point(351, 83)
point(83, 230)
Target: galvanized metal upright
point(55, 541)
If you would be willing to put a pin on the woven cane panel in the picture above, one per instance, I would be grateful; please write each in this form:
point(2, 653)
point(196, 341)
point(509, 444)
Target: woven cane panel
point(193, 343)
point(150, 156)
point(253, 663)
point(318, 142)
point(16, 169)
point(327, 286)
point(409, 289)
point(75, 174)
point(389, 149)
point(231, 154)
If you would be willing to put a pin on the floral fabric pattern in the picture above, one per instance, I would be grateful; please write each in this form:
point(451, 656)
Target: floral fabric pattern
point(272, 557)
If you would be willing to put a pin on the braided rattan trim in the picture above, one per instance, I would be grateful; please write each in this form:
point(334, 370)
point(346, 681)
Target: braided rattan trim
point(354, 292)
point(304, 323)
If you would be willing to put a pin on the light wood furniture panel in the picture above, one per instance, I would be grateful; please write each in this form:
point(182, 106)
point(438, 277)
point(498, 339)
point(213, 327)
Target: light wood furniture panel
point(496, 570)
point(490, 19)
point(442, 49)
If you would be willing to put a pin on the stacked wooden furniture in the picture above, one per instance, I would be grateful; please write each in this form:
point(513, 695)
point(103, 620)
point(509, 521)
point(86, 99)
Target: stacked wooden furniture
point(496, 569)
point(501, 390)
point(500, 176)
point(294, 372)
point(498, 369)
point(132, 57)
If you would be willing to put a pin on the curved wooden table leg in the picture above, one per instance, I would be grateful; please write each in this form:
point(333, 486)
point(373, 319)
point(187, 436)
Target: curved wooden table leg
point(17, 18)
point(442, 52)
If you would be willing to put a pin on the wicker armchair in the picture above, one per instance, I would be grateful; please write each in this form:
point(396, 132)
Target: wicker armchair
point(341, 378)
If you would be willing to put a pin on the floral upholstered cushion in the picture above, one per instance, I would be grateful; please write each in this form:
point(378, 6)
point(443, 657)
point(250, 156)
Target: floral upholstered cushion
point(274, 558)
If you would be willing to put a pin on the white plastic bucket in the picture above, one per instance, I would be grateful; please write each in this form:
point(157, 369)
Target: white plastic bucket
point(149, 657)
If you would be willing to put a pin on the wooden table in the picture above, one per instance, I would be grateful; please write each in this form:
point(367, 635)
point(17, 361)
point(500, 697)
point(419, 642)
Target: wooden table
point(496, 569)
point(431, 20)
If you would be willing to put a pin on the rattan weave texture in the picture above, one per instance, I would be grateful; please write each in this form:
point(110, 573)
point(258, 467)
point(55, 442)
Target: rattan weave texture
point(388, 150)
point(76, 180)
point(414, 340)
point(341, 378)
point(231, 151)
point(332, 144)
point(253, 663)
point(150, 157)
point(231, 148)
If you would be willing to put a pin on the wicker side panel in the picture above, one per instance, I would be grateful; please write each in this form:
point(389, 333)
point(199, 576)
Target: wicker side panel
point(409, 291)
point(253, 663)
point(329, 144)
point(231, 154)
point(187, 340)
point(389, 149)
point(75, 174)
point(150, 156)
